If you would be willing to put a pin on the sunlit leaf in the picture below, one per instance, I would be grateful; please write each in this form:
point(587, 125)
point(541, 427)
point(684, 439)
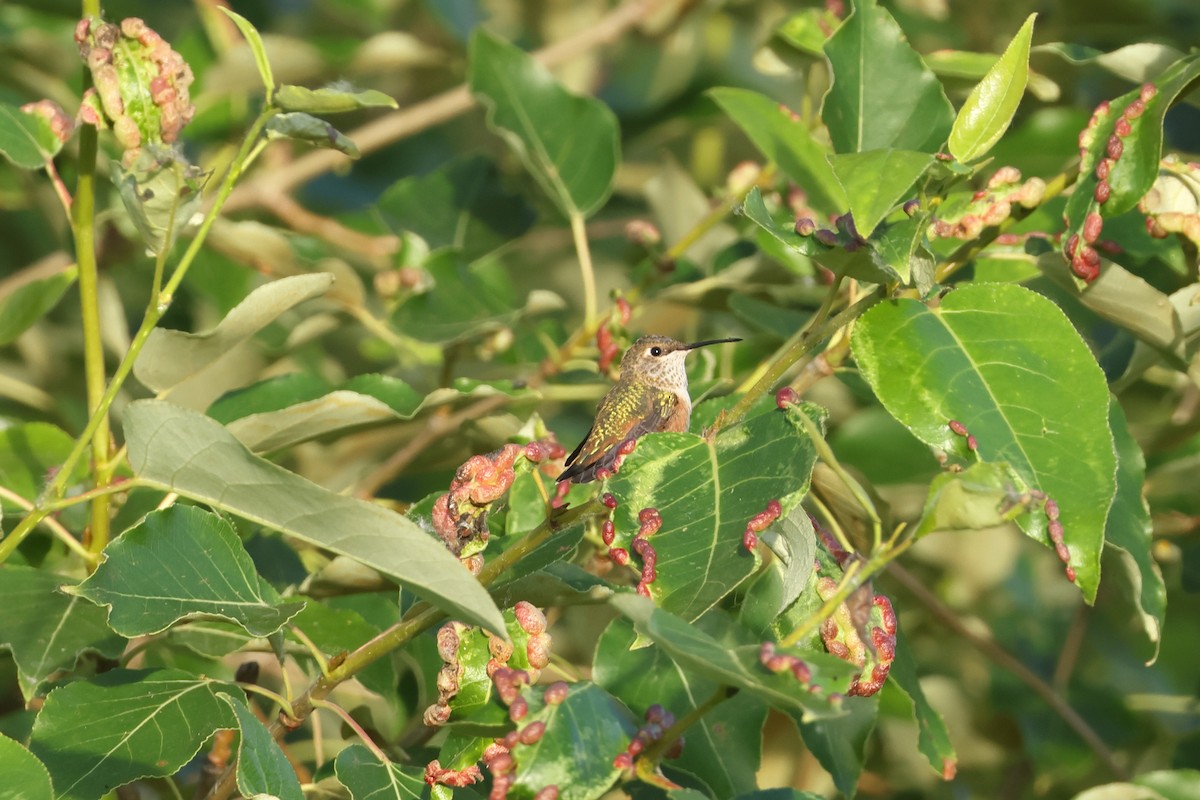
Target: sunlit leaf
point(876, 182)
point(934, 739)
point(785, 139)
point(990, 107)
point(186, 452)
point(255, 43)
point(1009, 366)
point(882, 95)
point(24, 776)
point(182, 563)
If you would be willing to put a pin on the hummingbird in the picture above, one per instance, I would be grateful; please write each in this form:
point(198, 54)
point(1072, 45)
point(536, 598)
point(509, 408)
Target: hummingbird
point(650, 396)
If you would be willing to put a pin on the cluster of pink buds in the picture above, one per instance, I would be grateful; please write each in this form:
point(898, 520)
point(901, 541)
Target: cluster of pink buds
point(777, 662)
point(625, 449)
point(537, 647)
point(842, 639)
point(449, 676)
point(658, 722)
point(460, 515)
point(1163, 216)
point(605, 342)
point(759, 523)
point(498, 757)
point(140, 84)
point(454, 778)
point(992, 205)
point(1055, 529)
point(959, 429)
point(649, 521)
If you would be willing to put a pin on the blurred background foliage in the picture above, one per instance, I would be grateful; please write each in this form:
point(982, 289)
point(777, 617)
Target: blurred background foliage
point(678, 153)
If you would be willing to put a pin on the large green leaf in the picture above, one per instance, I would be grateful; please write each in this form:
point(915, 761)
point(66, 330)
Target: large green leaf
point(262, 768)
point(734, 660)
point(1008, 365)
point(461, 205)
point(368, 778)
point(877, 181)
point(882, 94)
point(990, 107)
point(186, 452)
point(570, 144)
point(785, 140)
point(1127, 536)
point(99, 734)
point(45, 629)
point(706, 491)
point(24, 776)
point(170, 357)
point(725, 746)
point(28, 303)
point(26, 139)
point(183, 563)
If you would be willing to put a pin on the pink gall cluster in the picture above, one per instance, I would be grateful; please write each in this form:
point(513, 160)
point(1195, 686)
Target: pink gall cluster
point(460, 515)
point(759, 523)
point(61, 125)
point(658, 722)
point(842, 639)
point(777, 662)
point(1055, 530)
point(992, 205)
point(454, 778)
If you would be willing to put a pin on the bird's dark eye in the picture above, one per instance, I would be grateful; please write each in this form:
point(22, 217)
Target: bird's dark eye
point(656, 351)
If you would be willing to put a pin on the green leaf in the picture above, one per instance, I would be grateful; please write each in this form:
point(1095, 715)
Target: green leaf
point(26, 139)
point(170, 357)
point(466, 301)
point(27, 304)
point(1172, 784)
point(47, 630)
point(368, 778)
point(933, 738)
point(993, 102)
point(858, 263)
point(570, 144)
point(1008, 365)
point(840, 743)
point(161, 192)
point(313, 130)
point(281, 412)
point(902, 247)
point(877, 181)
point(882, 94)
point(461, 205)
point(972, 499)
point(263, 771)
point(588, 714)
point(736, 663)
point(705, 493)
point(1131, 175)
point(24, 776)
point(724, 747)
point(785, 140)
point(186, 452)
point(256, 47)
point(182, 563)
point(1128, 537)
point(329, 99)
point(99, 734)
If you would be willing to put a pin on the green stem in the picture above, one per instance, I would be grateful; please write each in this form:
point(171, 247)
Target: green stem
point(354, 726)
point(587, 273)
point(825, 452)
point(54, 490)
point(83, 227)
point(254, 688)
point(805, 343)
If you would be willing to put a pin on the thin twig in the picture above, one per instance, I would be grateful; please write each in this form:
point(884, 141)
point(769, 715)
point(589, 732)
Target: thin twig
point(1001, 657)
point(300, 219)
point(421, 116)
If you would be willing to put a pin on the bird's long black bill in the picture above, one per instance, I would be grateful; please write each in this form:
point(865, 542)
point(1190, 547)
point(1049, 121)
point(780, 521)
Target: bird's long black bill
point(706, 343)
